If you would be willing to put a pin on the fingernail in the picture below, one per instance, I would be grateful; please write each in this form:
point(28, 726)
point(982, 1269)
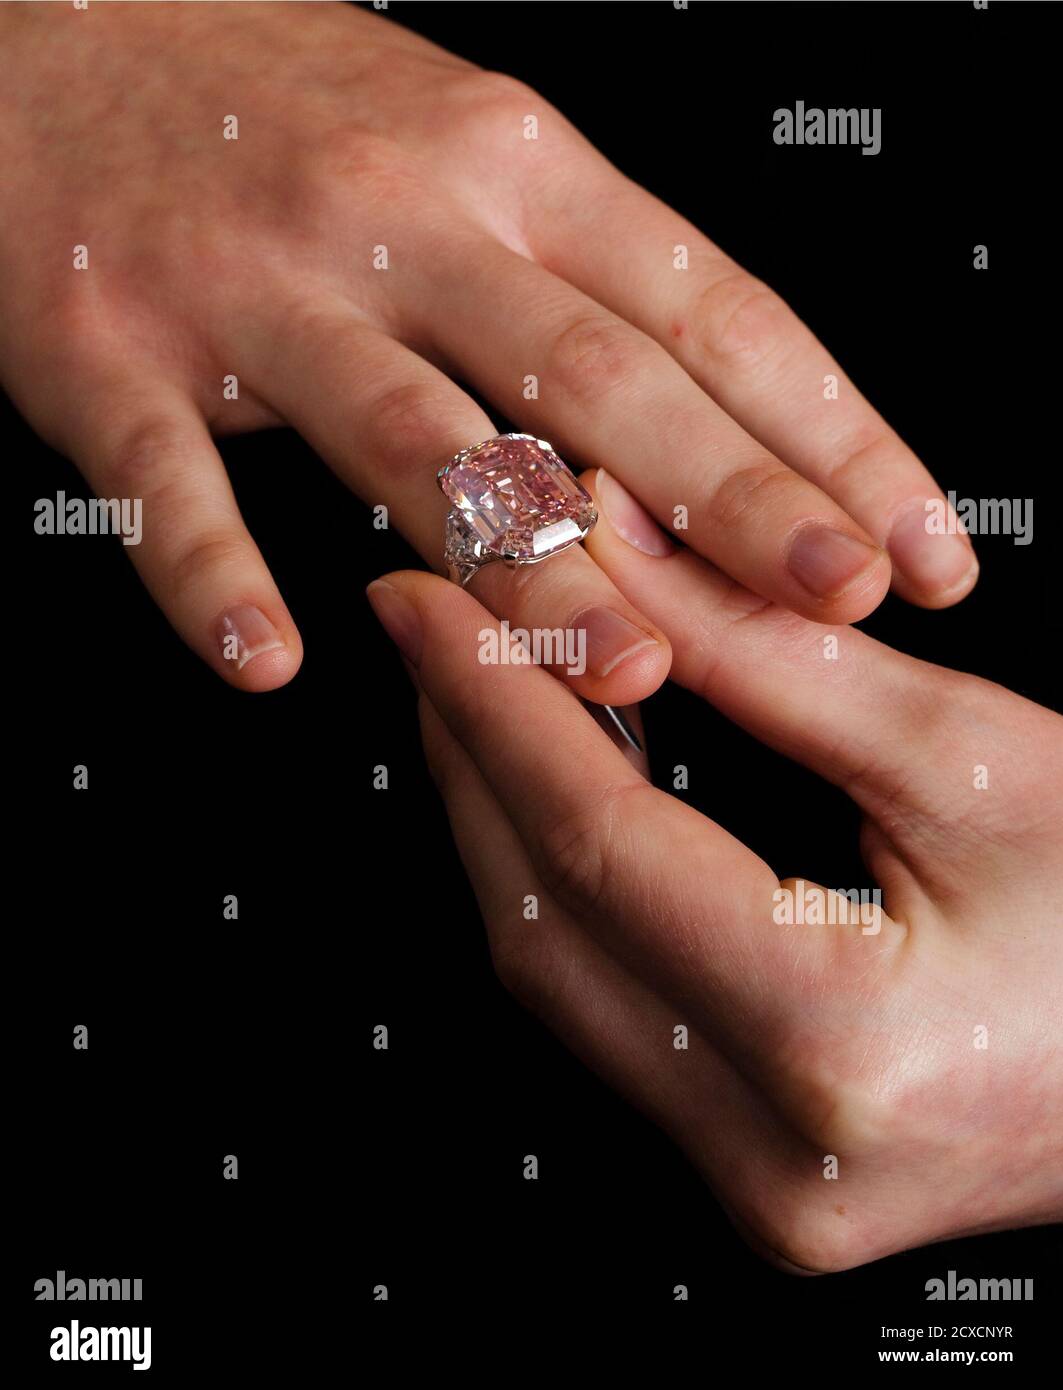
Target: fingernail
point(628, 518)
point(826, 562)
point(244, 633)
point(936, 561)
point(398, 617)
point(610, 638)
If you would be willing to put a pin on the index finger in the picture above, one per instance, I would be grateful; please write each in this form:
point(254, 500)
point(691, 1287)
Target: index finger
point(751, 353)
point(665, 890)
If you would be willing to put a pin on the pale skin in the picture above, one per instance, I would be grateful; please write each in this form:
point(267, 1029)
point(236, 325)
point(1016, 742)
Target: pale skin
point(924, 1058)
point(507, 258)
point(255, 258)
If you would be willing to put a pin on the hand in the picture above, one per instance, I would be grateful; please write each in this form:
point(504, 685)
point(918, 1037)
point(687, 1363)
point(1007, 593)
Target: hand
point(915, 1052)
point(507, 258)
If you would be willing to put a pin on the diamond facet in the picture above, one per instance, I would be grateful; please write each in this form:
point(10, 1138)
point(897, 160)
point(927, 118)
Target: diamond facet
point(516, 499)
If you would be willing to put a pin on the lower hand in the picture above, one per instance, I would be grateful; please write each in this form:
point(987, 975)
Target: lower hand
point(920, 1056)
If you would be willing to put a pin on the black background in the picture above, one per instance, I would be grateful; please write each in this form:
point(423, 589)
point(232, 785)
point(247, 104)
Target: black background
point(206, 1037)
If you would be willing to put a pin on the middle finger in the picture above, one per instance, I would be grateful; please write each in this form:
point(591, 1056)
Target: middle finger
point(609, 394)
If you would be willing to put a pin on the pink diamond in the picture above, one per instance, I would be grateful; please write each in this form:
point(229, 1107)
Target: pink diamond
point(517, 498)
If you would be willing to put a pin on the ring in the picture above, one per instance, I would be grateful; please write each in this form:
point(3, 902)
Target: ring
point(513, 499)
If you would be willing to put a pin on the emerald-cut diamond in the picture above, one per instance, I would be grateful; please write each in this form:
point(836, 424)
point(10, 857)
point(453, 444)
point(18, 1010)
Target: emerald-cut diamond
point(513, 499)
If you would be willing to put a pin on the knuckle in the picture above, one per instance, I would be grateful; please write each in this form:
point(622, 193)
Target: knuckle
point(406, 425)
point(835, 1107)
point(863, 457)
point(344, 160)
point(932, 706)
point(596, 355)
point(580, 856)
point(314, 333)
point(845, 1115)
point(835, 1099)
point(78, 329)
point(494, 119)
point(135, 462)
point(574, 853)
point(756, 485)
point(739, 319)
point(206, 559)
point(516, 961)
point(496, 97)
point(810, 1234)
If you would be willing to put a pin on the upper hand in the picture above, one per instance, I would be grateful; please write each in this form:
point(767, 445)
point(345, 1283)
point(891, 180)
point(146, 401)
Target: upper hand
point(507, 258)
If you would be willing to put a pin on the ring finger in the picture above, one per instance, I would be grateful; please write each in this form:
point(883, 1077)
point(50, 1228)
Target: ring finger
point(385, 419)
